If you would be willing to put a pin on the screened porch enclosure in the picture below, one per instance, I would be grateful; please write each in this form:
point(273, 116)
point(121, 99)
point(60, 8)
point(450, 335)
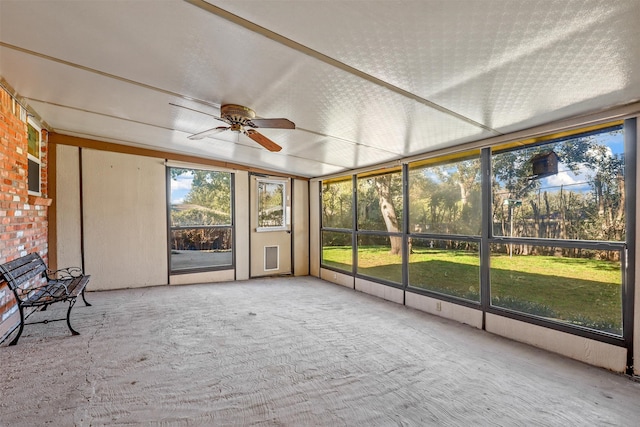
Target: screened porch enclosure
point(537, 231)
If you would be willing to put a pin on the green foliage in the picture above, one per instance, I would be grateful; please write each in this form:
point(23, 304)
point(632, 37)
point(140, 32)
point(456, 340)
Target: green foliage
point(603, 325)
point(585, 292)
point(523, 306)
point(270, 204)
point(373, 193)
point(207, 203)
point(446, 198)
point(593, 210)
point(337, 204)
point(198, 215)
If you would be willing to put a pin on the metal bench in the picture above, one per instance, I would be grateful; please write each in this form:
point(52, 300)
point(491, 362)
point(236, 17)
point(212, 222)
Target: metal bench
point(50, 287)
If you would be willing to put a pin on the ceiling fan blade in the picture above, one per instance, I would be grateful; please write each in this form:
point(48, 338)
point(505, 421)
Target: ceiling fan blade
point(262, 140)
point(273, 123)
point(208, 132)
point(198, 111)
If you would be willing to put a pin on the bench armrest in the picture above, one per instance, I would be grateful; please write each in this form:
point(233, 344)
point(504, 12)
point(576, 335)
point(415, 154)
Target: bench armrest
point(65, 273)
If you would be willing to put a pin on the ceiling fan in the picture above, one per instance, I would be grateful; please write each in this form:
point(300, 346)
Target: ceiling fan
point(239, 118)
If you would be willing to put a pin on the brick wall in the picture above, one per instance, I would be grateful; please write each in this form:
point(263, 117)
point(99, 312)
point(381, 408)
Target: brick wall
point(23, 218)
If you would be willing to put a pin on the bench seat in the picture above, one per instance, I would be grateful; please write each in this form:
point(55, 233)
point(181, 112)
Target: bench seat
point(62, 285)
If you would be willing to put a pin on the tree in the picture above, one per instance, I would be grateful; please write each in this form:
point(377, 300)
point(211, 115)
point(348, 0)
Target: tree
point(566, 210)
point(337, 204)
point(208, 202)
point(446, 197)
point(388, 210)
point(380, 207)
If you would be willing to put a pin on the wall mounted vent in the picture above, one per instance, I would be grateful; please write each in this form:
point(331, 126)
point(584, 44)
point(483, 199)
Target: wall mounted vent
point(271, 257)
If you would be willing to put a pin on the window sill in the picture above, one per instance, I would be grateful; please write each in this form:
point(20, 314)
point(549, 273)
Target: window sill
point(39, 201)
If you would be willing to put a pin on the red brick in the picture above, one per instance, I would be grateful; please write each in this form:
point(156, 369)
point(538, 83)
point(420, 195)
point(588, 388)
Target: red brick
point(25, 231)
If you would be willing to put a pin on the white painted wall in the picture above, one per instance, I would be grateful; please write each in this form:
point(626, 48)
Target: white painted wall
point(125, 237)
point(202, 277)
point(125, 224)
point(379, 290)
point(300, 227)
point(457, 312)
point(346, 280)
point(314, 228)
point(589, 351)
point(67, 205)
point(241, 201)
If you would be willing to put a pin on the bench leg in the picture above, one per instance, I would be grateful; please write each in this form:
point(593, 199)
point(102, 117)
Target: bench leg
point(84, 299)
point(73, 331)
point(15, 340)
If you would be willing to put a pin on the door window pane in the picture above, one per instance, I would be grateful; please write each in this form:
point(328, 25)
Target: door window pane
point(271, 204)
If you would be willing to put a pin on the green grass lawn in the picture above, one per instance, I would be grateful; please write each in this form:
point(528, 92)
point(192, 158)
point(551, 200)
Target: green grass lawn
point(576, 290)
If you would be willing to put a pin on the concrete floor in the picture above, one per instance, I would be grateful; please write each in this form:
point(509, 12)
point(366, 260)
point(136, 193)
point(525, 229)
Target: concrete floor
point(290, 352)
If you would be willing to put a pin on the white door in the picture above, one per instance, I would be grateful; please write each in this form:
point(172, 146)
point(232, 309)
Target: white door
point(270, 221)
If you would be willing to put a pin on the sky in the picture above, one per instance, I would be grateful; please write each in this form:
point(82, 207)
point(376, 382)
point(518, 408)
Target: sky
point(180, 187)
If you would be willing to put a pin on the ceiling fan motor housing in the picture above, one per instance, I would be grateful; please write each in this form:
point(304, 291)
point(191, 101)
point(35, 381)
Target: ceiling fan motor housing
point(237, 114)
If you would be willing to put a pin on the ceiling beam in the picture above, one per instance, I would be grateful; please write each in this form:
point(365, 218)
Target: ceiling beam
point(75, 141)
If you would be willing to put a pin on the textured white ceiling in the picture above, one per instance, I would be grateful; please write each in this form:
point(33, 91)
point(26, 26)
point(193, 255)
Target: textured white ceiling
point(366, 82)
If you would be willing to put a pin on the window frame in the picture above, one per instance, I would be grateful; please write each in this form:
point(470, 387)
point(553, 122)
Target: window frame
point(626, 248)
point(33, 159)
point(284, 226)
point(623, 247)
point(172, 228)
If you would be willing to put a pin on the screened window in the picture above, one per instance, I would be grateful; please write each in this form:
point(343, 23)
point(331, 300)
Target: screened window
point(445, 204)
point(559, 230)
point(380, 204)
point(337, 251)
point(450, 267)
point(445, 197)
point(337, 224)
point(570, 285)
point(536, 230)
point(200, 230)
point(34, 150)
point(337, 204)
point(568, 189)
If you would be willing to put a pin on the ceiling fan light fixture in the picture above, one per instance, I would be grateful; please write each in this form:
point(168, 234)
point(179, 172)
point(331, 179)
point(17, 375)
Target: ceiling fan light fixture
point(237, 114)
point(239, 117)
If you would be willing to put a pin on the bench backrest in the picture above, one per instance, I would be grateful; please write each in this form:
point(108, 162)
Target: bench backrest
point(22, 270)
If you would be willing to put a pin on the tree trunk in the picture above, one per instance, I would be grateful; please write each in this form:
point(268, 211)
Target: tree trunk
point(383, 185)
point(464, 193)
point(546, 204)
point(620, 227)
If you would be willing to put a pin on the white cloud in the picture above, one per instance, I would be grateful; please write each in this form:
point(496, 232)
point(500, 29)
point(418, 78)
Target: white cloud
point(576, 181)
point(182, 182)
point(562, 178)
